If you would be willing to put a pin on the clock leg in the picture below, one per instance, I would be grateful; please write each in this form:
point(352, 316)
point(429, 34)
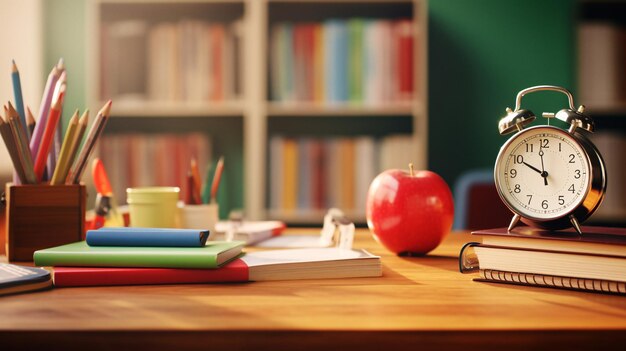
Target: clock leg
point(575, 224)
point(514, 221)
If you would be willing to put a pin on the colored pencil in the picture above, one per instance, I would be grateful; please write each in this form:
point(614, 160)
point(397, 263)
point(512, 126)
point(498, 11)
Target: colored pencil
point(58, 177)
point(75, 145)
point(219, 169)
point(47, 138)
point(44, 109)
point(9, 142)
point(88, 147)
point(19, 101)
point(19, 136)
point(30, 121)
point(55, 147)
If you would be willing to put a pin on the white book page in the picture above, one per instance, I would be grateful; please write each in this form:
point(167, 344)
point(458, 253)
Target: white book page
point(295, 241)
point(276, 257)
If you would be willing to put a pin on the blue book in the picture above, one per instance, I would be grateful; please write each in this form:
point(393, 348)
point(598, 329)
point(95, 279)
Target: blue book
point(147, 237)
point(16, 279)
point(336, 59)
point(287, 84)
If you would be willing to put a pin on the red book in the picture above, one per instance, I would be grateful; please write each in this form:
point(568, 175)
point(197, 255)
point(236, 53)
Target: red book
point(404, 39)
point(235, 271)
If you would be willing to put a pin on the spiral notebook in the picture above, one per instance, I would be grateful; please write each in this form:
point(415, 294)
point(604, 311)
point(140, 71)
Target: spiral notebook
point(594, 261)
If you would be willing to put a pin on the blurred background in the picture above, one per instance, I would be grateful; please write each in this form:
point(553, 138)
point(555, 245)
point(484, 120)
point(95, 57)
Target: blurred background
point(308, 100)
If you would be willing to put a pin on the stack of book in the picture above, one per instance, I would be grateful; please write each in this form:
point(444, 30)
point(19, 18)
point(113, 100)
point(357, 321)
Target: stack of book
point(594, 261)
point(142, 256)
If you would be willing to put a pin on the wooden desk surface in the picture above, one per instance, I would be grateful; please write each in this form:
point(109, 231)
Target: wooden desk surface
point(419, 302)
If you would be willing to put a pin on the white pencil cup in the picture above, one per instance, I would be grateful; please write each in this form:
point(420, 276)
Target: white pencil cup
point(203, 216)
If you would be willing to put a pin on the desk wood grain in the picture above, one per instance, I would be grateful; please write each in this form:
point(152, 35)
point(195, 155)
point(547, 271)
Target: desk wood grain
point(419, 302)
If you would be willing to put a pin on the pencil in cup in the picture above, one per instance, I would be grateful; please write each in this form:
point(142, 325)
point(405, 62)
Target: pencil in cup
point(58, 177)
point(44, 109)
point(48, 138)
point(19, 101)
point(74, 146)
point(88, 147)
point(9, 142)
point(21, 143)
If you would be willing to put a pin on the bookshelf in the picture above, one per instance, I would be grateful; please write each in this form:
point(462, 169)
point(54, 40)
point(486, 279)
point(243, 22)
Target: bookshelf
point(601, 83)
point(251, 97)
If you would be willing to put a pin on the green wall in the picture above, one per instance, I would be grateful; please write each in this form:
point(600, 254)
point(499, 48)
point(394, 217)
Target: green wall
point(64, 36)
point(481, 53)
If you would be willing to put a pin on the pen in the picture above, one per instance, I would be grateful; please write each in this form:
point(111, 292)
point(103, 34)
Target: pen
point(219, 168)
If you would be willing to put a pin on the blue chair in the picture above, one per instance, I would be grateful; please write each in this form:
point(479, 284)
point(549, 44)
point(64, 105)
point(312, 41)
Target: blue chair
point(477, 203)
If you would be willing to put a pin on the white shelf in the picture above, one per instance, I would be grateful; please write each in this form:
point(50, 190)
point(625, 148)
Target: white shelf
point(174, 109)
point(343, 109)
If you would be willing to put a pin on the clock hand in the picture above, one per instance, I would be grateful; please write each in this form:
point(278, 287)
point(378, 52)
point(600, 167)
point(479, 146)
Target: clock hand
point(533, 168)
point(544, 174)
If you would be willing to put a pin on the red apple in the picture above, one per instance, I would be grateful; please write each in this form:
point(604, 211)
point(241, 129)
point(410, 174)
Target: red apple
point(409, 212)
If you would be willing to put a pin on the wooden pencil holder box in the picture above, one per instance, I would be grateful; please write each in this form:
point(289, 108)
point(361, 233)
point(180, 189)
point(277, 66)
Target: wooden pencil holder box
point(42, 216)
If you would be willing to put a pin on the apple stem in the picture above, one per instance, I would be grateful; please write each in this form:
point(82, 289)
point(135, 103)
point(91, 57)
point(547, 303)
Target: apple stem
point(411, 171)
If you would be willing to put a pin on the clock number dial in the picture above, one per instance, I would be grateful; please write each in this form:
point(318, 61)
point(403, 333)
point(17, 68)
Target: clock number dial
point(551, 182)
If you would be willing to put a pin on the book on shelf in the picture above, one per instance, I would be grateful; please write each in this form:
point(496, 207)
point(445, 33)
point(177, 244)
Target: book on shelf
point(594, 261)
point(17, 279)
point(311, 174)
point(353, 60)
point(600, 70)
point(176, 61)
point(212, 255)
point(250, 232)
point(289, 264)
point(137, 159)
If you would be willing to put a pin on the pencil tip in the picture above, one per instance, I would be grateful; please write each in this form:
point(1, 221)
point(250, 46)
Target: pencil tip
point(11, 109)
point(85, 117)
point(106, 109)
point(14, 67)
point(61, 64)
point(30, 119)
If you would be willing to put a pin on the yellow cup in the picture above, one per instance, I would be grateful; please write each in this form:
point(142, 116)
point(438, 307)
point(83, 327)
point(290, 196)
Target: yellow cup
point(153, 207)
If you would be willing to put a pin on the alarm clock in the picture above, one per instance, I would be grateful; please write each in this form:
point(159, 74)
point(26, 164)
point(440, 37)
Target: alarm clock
point(549, 177)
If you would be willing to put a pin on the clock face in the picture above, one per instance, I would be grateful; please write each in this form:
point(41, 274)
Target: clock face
point(542, 173)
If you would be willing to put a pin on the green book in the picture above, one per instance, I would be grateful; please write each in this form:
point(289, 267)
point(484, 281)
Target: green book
point(214, 254)
point(355, 74)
